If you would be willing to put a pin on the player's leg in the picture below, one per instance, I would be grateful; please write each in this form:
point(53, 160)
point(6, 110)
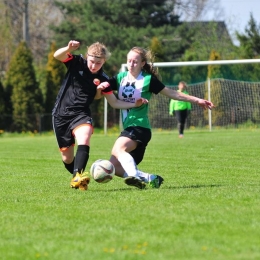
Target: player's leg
point(182, 121)
point(82, 134)
point(179, 125)
point(121, 157)
point(119, 170)
point(153, 180)
point(123, 161)
point(126, 166)
point(65, 142)
point(67, 156)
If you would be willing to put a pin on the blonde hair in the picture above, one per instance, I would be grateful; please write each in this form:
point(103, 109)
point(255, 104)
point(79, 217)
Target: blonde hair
point(98, 50)
point(148, 57)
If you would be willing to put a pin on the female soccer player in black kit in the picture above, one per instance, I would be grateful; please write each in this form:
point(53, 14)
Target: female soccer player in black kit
point(71, 113)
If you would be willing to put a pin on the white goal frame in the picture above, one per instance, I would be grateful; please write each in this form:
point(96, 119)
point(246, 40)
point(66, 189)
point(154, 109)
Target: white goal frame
point(187, 63)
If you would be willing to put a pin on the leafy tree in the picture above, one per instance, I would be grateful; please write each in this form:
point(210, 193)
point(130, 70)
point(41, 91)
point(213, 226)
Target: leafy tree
point(55, 74)
point(40, 14)
point(157, 49)
point(6, 38)
point(26, 98)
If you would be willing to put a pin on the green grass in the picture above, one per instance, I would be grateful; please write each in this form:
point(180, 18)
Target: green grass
point(208, 207)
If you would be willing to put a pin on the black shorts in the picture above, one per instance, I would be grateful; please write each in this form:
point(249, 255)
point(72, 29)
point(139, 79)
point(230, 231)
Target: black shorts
point(63, 128)
point(142, 136)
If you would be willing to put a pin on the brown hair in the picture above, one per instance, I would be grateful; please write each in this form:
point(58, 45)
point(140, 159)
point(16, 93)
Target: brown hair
point(148, 57)
point(184, 84)
point(98, 50)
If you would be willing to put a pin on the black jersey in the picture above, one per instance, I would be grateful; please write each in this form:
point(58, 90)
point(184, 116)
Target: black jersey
point(78, 89)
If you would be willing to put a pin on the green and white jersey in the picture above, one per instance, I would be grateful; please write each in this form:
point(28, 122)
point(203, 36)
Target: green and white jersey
point(129, 91)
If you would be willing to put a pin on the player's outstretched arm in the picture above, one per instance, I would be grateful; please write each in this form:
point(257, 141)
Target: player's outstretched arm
point(205, 104)
point(61, 54)
point(116, 103)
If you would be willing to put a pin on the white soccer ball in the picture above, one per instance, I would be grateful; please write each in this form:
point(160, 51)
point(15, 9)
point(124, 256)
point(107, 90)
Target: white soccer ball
point(102, 171)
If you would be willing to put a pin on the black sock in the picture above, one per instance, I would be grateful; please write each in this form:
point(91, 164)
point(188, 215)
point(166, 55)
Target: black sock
point(69, 166)
point(81, 159)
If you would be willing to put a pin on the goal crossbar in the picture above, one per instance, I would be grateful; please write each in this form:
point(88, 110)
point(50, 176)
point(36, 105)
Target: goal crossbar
point(198, 63)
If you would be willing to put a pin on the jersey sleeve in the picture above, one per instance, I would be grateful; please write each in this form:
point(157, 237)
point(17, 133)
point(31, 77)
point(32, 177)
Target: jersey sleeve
point(156, 85)
point(107, 90)
point(113, 83)
point(71, 59)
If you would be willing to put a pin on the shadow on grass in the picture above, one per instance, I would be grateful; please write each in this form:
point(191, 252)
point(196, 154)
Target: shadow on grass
point(119, 189)
point(197, 186)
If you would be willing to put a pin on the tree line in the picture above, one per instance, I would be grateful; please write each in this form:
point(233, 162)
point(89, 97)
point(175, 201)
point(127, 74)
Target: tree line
point(31, 77)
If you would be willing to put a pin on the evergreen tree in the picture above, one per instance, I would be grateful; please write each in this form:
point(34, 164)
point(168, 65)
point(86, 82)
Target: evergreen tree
point(2, 107)
point(249, 49)
point(26, 97)
point(2, 102)
point(250, 41)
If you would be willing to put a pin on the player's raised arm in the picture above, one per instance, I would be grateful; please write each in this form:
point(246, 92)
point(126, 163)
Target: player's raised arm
point(61, 54)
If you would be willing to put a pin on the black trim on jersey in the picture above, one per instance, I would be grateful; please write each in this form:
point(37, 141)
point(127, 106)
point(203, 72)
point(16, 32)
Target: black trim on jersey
point(155, 87)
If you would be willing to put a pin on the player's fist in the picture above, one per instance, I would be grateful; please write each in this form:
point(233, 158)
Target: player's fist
point(73, 45)
point(140, 102)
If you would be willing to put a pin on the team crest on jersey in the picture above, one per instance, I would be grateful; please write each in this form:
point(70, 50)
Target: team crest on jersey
point(128, 91)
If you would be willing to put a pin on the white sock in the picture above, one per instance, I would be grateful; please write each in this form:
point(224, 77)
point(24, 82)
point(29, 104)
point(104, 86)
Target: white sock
point(128, 163)
point(146, 177)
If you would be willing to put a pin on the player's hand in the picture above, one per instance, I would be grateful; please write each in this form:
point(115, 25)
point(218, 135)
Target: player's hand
point(205, 104)
point(140, 102)
point(73, 45)
point(103, 85)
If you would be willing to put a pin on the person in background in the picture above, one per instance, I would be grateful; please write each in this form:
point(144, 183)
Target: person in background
point(181, 109)
point(71, 114)
point(141, 80)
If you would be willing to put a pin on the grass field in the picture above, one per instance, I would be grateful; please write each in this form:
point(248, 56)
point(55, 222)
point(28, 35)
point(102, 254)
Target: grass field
point(208, 207)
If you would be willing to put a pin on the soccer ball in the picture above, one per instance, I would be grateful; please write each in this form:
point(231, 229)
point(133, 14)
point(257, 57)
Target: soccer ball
point(102, 171)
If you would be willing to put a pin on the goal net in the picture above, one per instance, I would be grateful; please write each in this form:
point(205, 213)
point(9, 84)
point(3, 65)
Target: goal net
point(236, 102)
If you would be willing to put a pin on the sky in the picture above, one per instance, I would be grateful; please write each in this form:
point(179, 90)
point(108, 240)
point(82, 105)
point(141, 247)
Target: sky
point(236, 14)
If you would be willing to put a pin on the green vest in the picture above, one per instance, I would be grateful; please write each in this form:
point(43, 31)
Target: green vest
point(179, 105)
